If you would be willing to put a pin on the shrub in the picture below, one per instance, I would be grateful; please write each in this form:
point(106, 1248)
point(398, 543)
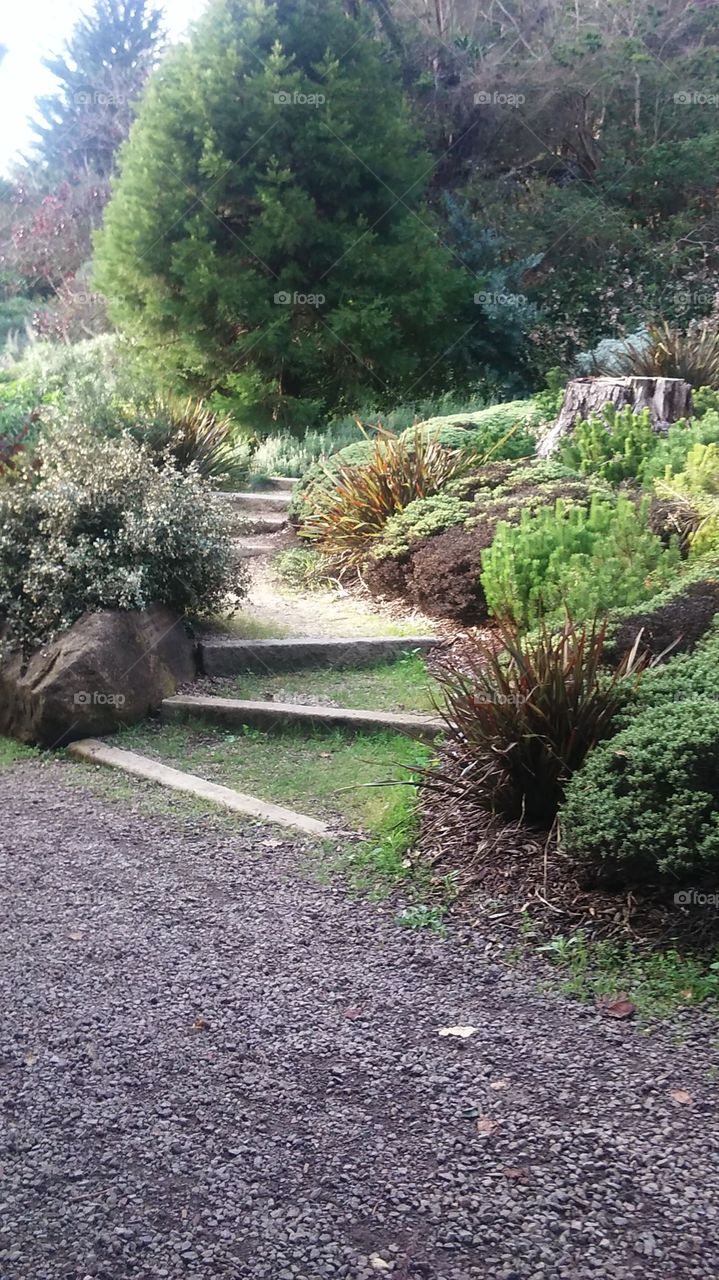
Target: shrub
point(444, 578)
point(614, 448)
point(587, 560)
point(101, 527)
point(697, 487)
point(319, 479)
point(347, 518)
point(504, 430)
point(674, 620)
point(671, 450)
point(645, 805)
point(685, 677)
point(420, 519)
point(669, 353)
point(189, 434)
point(302, 570)
point(520, 719)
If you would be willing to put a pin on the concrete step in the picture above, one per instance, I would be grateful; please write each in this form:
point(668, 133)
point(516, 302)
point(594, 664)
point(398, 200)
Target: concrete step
point(264, 500)
point(284, 482)
point(247, 522)
point(249, 548)
point(232, 713)
point(94, 751)
point(225, 656)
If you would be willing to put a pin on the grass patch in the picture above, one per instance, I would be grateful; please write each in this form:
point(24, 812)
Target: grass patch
point(404, 685)
point(658, 982)
point(323, 774)
point(12, 752)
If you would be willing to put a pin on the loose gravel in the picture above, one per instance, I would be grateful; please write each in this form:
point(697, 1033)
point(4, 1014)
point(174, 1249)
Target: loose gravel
point(213, 1067)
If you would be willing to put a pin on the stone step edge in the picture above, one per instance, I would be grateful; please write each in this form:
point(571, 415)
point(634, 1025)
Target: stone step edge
point(93, 751)
point(271, 714)
point(227, 655)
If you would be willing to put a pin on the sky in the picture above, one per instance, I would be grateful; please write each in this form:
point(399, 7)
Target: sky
point(31, 29)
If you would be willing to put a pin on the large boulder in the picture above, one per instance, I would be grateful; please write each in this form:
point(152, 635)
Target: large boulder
point(110, 668)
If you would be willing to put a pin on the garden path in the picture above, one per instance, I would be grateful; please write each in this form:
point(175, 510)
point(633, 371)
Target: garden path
point(214, 1066)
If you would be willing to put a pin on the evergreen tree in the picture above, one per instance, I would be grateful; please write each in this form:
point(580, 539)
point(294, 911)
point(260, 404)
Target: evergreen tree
point(101, 72)
point(267, 235)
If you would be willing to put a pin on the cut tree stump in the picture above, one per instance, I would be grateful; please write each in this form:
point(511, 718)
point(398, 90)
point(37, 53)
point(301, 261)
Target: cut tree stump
point(667, 400)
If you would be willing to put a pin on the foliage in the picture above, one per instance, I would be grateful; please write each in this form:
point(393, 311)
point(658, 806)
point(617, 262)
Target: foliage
point(645, 806)
point(697, 486)
point(347, 518)
point(673, 621)
point(420, 519)
point(301, 569)
point(507, 429)
point(669, 353)
point(101, 527)
point(300, 278)
point(588, 561)
point(189, 434)
point(687, 677)
point(100, 75)
point(522, 716)
point(615, 448)
point(671, 450)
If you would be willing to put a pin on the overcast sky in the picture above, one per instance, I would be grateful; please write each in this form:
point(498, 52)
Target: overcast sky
point(30, 29)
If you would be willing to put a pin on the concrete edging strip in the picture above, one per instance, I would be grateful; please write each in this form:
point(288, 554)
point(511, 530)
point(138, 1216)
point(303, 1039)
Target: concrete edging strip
point(269, 715)
point(93, 751)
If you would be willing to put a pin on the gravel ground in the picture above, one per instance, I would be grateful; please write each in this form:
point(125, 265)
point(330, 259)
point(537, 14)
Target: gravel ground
point(213, 1067)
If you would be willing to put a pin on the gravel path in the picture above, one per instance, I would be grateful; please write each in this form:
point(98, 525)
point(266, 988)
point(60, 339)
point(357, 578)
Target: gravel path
point(213, 1068)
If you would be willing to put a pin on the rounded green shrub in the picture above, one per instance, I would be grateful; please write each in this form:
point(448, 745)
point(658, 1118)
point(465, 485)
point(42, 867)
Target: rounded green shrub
point(644, 807)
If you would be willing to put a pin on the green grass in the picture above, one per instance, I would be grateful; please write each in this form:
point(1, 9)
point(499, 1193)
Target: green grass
point(403, 685)
point(657, 981)
point(12, 752)
point(322, 774)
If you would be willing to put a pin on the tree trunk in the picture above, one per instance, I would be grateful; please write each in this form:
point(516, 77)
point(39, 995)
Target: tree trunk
point(667, 399)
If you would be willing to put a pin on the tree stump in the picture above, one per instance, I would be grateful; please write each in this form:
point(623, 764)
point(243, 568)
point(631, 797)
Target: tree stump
point(667, 400)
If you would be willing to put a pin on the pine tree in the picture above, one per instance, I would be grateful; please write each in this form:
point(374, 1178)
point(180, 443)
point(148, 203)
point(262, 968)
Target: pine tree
point(101, 72)
point(267, 235)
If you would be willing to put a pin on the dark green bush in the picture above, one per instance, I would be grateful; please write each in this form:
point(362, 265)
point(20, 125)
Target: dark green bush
point(689, 677)
point(645, 805)
point(614, 447)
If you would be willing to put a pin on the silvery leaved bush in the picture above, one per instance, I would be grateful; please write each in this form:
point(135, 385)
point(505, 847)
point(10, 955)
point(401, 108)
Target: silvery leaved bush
point(96, 526)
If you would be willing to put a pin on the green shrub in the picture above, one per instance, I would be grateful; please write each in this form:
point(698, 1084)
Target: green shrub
point(521, 716)
point(614, 447)
point(348, 516)
point(506, 430)
point(687, 677)
point(421, 519)
point(645, 805)
point(588, 561)
point(668, 352)
point(705, 400)
point(672, 449)
point(101, 527)
point(302, 570)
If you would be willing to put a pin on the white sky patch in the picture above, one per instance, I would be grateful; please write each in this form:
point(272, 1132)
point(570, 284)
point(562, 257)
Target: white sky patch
point(32, 29)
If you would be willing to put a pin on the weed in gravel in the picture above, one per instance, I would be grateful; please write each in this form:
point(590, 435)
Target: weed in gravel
point(658, 982)
point(423, 916)
point(12, 752)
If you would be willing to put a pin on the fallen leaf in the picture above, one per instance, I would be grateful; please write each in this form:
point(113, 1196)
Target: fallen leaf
point(499, 1084)
point(616, 1006)
point(682, 1097)
point(517, 1174)
point(325, 755)
point(200, 1024)
point(76, 935)
point(30, 1059)
point(462, 1032)
point(485, 1126)
point(352, 1014)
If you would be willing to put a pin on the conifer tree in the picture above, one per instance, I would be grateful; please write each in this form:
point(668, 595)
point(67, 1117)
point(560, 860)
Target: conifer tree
point(267, 235)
